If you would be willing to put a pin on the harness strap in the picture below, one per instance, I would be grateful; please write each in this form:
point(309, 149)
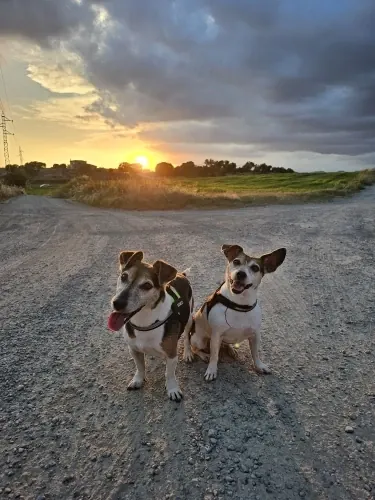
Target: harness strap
point(232, 305)
point(176, 310)
point(218, 298)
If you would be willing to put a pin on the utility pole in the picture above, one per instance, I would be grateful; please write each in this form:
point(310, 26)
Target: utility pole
point(21, 157)
point(4, 121)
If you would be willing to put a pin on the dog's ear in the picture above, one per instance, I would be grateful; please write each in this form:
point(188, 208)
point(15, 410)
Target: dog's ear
point(231, 251)
point(271, 261)
point(164, 271)
point(129, 258)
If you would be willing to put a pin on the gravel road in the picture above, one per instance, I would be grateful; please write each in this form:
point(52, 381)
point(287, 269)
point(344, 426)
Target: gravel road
point(68, 427)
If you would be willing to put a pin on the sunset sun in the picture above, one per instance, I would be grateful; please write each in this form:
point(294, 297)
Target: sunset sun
point(142, 160)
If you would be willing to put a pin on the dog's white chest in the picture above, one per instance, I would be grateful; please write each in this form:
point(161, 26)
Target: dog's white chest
point(236, 336)
point(146, 342)
point(235, 326)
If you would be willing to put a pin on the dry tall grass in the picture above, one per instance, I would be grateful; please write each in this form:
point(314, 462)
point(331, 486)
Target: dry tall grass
point(141, 193)
point(9, 191)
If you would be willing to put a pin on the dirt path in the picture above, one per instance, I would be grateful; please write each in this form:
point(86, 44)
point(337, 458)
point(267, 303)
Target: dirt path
point(68, 427)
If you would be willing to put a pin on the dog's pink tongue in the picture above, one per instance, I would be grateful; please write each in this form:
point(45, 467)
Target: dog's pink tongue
point(116, 321)
point(236, 285)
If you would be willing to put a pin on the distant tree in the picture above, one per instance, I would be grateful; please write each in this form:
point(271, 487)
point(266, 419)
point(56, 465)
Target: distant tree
point(130, 168)
point(248, 166)
point(60, 166)
point(264, 168)
point(209, 162)
point(15, 177)
point(228, 167)
point(12, 167)
point(125, 167)
point(164, 169)
point(83, 168)
point(32, 168)
point(186, 169)
point(137, 167)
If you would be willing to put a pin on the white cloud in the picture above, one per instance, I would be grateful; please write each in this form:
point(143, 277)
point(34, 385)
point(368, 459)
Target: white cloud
point(59, 78)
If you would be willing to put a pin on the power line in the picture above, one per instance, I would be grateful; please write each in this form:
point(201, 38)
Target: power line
point(4, 121)
point(8, 103)
point(21, 156)
point(5, 87)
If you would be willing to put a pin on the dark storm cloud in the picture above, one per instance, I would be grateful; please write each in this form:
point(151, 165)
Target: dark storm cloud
point(280, 75)
point(39, 19)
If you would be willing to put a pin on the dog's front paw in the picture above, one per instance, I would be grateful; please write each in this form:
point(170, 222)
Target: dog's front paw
point(261, 368)
point(188, 356)
point(136, 383)
point(211, 373)
point(175, 394)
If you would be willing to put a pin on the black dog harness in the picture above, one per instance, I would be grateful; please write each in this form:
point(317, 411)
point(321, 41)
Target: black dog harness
point(180, 312)
point(217, 298)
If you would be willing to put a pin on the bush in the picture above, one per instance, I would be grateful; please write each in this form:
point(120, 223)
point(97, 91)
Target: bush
point(15, 178)
point(9, 191)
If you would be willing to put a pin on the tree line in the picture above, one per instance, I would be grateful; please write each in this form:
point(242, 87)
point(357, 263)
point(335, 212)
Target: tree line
point(21, 174)
point(216, 168)
point(18, 175)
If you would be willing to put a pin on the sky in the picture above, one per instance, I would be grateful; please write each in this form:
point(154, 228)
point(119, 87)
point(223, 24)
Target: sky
point(286, 82)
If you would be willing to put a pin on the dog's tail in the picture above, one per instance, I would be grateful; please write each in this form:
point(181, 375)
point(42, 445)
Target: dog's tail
point(187, 272)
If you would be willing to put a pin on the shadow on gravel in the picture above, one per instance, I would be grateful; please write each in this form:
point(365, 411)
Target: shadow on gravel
point(241, 436)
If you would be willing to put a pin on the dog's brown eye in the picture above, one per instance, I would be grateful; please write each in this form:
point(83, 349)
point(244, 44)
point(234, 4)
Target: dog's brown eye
point(124, 277)
point(146, 286)
point(236, 262)
point(254, 268)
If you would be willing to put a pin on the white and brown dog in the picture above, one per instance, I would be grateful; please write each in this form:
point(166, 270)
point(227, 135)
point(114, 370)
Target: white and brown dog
point(232, 313)
point(154, 303)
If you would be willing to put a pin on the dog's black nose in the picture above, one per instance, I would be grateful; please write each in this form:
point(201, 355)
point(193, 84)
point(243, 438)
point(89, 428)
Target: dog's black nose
point(118, 304)
point(241, 275)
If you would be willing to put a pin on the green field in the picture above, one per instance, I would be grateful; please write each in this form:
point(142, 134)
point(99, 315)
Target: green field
point(153, 193)
point(321, 184)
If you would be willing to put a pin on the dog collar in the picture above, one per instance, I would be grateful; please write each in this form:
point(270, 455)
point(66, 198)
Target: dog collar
point(176, 307)
point(217, 298)
point(232, 305)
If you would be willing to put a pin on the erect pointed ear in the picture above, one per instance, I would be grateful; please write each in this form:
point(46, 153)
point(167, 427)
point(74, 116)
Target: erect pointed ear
point(164, 271)
point(271, 261)
point(129, 258)
point(231, 251)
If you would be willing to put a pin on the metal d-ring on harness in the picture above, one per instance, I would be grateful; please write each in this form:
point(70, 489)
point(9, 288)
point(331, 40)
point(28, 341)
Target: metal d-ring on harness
point(179, 311)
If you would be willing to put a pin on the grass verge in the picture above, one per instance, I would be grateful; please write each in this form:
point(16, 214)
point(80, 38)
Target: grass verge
point(44, 191)
point(9, 191)
point(143, 193)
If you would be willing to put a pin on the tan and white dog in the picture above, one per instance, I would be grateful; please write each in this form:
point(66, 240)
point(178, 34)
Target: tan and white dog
point(232, 313)
point(154, 304)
